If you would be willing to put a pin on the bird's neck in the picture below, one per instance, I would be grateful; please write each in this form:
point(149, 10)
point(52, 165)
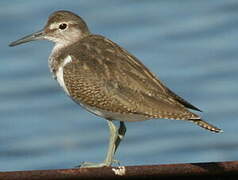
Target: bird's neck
point(54, 59)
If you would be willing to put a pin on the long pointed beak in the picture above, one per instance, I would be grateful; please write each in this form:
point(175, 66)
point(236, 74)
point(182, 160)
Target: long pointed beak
point(32, 37)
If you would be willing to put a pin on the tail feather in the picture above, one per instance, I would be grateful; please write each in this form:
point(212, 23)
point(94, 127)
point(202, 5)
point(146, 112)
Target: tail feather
point(206, 125)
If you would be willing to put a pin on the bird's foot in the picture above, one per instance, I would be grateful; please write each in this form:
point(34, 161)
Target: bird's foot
point(97, 165)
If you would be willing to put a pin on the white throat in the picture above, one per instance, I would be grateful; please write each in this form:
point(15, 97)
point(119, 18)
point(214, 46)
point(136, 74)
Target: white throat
point(58, 74)
point(57, 47)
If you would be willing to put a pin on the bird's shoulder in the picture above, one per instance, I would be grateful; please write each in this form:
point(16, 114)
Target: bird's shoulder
point(108, 60)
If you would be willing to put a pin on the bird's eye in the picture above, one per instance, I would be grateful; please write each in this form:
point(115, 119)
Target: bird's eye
point(62, 26)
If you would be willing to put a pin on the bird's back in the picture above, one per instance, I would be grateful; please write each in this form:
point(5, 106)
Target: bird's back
point(105, 76)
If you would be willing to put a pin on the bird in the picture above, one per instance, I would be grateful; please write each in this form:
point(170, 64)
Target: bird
point(107, 80)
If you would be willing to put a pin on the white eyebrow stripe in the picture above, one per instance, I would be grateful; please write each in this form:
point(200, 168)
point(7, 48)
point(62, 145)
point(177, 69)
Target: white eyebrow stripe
point(55, 25)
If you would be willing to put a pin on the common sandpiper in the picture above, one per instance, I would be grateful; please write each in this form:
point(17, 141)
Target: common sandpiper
point(107, 80)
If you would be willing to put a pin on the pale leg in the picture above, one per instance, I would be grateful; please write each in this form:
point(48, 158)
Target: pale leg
point(116, 136)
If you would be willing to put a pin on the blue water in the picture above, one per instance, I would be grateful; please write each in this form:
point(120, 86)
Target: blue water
point(191, 45)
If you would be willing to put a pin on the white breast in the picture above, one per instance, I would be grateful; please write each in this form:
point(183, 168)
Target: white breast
point(60, 73)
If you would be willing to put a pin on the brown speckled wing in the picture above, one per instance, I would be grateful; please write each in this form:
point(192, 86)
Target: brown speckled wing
point(105, 76)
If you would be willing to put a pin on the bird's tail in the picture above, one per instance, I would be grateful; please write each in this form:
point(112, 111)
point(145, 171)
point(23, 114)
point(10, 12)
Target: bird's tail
point(206, 125)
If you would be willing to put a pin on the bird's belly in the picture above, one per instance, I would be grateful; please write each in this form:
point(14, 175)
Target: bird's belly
point(99, 112)
point(113, 115)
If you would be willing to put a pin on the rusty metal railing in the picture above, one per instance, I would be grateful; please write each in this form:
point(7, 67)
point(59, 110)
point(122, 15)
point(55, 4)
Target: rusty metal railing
point(211, 170)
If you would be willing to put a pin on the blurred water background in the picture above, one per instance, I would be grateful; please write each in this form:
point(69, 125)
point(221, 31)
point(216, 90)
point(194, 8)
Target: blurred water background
point(191, 45)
